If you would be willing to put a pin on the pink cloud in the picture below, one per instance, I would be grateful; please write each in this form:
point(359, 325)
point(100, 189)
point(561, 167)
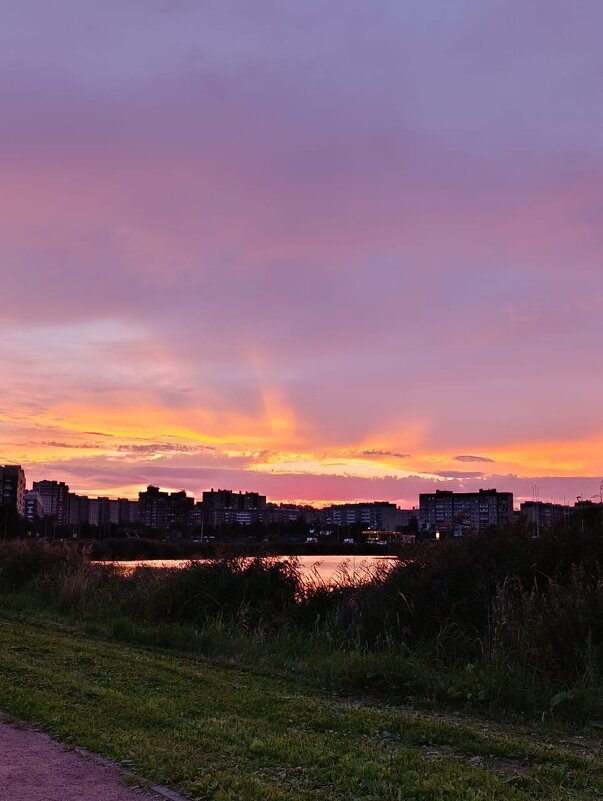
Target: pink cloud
point(390, 223)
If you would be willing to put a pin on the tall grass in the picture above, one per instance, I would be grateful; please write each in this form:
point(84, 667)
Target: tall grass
point(502, 621)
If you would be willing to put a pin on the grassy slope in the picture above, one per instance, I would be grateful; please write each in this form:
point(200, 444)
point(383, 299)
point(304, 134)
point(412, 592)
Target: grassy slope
point(218, 733)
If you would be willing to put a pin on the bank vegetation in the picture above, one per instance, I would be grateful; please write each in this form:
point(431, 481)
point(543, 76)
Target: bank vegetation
point(502, 623)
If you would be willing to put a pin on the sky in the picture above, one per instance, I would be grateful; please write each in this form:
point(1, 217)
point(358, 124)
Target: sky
point(328, 251)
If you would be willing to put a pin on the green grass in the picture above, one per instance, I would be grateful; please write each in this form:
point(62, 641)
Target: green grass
point(229, 735)
point(392, 672)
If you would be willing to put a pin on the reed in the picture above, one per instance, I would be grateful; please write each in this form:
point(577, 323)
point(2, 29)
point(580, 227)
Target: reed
point(501, 622)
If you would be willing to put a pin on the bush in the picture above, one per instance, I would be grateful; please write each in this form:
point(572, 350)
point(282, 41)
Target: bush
point(22, 561)
point(251, 592)
point(557, 630)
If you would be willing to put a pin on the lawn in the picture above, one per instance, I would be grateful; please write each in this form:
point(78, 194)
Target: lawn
point(224, 734)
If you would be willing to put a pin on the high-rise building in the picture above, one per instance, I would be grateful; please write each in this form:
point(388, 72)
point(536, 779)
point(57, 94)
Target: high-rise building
point(378, 515)
point(179, 509)
point(226, 508)
point(152, 504)
point(161, 510)
point(229, 499)
point(461, 512)
point(12, 488)
point(544, 515)
point(127, 511)
point(286, 513)
point(99, 512)
point(55, 497)
point(34, 507)
point(79, 509)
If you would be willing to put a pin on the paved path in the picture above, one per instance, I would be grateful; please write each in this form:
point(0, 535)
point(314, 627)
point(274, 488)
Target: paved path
point(35, 768)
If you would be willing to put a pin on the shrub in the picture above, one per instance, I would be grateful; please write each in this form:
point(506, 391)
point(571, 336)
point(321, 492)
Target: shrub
point(556, 629)
point(250, 592)
point(22, 561)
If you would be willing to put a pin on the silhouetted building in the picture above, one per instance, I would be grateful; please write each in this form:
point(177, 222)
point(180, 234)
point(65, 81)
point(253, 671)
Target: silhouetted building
point(228, 499)
point(34, 507)
point(12, 488)
point(283, 513)
point(55, 497)
point(79, 509)
point(152, 505)
point(162, 510)
point(585, 511)
point(99, 512)
point(461, 512)
point(542, 515)
point(226, 508)
point(179, 509)
point(378, 516)
point(407, 515)
point(127, 511)
point(585, 505)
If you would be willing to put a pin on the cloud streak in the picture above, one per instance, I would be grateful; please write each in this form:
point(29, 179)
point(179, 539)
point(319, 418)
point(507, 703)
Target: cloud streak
point(472, 459)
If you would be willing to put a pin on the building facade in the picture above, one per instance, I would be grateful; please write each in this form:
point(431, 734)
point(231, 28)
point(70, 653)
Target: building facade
point(152, 504)
point(162, 510)
point(542, 515)
point(12, 488)
point(224, 508)
point(378, 516)
point(288, 513)
point(79, 509)
point(34, 507)
point(55, 497)
point(464, 512)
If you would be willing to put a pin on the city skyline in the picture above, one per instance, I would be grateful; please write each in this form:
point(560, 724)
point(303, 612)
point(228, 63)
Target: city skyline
point(437, 512)
point(334, 256)
point(536, 499)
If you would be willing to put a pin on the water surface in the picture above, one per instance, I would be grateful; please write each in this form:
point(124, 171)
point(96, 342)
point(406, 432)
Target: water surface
point(314, 569)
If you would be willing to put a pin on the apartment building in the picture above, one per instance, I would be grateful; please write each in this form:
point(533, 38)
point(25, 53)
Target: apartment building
point(34, 507)
point(12, 488)
point(542, 515)
point(226, 508)
point(55, 497)
point(463, 512)
point(161, 510)
point(378, 515)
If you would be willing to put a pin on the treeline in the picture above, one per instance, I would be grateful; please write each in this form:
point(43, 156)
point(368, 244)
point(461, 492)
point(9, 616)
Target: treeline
point(144, 548)
point(502, 621)
point(119, 539)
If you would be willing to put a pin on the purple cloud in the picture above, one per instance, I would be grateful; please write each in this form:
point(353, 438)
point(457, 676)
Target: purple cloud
point(390, 225)
point(473, 459)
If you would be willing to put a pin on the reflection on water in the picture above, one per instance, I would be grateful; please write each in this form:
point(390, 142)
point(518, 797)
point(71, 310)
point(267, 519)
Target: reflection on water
point(314, 569)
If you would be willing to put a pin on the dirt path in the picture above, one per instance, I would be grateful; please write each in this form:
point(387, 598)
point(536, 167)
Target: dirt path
point(35, 768)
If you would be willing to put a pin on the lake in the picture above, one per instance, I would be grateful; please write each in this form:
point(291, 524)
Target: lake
point(314, 569)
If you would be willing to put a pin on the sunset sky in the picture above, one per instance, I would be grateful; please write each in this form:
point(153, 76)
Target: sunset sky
point(328, 251)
